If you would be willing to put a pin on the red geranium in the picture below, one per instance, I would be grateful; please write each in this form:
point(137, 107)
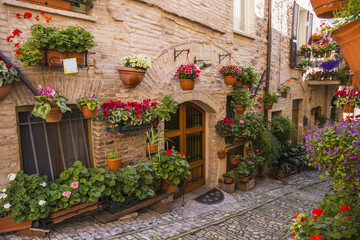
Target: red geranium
point(18, 52)
point(27, 15)
point(16, 44)
point(169, 152)
point(18, 15)
point(343, 208)
point(16, 32)
point(316, 237)
point(318, 212)
point(182, 154)
point(293, 235)
point(8, 65)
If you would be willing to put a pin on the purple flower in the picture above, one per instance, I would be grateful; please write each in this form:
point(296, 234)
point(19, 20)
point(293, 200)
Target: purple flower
point(329, 170)
point(345, 161)
point(330, 164)
point(357, 179)
point(93, 95)
point(336, 149)
point(347, 176)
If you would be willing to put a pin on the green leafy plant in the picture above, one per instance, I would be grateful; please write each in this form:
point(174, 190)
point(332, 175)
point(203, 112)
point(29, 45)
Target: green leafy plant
point(171, 165)
point(230, 70)
point(305, 63)
point(282, 128)
point(248, 75)
point(256, 159)
point(284, 87)
point(91, 101)
point(350, 97)
point(47, 99)
point(154, 137)
point(268, 145)
point(269, 98)
point(228, 175)
point(241, 96)
point(244, 169)
point(137, 62)
point(305, 48)
point(71, 39)
point(165, 108)
point(344, 77)
point(113, 155)
point(8, 73)
point(347, 13)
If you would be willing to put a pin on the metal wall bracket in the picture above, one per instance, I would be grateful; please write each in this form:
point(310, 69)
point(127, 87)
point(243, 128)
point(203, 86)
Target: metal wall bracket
point(223, 56)
point(178, 52)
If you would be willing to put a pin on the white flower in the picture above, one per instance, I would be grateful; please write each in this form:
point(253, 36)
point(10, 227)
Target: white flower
point(4, 190)
point(3, 196)
point(6, 206)
point(43, 184)
point(12, 176)
point(42, 202)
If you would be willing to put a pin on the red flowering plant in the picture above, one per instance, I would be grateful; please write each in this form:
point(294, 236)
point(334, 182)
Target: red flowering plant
point(8, 73)
point(305, 48)
point(170, 165)
point(188, 71)
point(345, 96)
point(71, 39)
point(230, 70)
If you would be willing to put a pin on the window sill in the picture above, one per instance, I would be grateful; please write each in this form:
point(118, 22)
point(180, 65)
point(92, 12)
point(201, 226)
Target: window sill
point(244, 34)
point(35, 7)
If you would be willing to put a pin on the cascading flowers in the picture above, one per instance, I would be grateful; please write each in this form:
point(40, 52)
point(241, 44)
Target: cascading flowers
point(188, 71)
point(138, 62)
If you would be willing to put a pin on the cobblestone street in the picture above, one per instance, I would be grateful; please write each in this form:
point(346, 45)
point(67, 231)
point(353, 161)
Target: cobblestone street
point(262, 213)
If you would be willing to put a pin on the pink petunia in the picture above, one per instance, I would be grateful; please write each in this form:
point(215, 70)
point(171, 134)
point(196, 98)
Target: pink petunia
point(74, 185)
point(66, 194)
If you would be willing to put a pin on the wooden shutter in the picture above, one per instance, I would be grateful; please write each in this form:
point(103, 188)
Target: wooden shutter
point(293, 42)
point(309, 28)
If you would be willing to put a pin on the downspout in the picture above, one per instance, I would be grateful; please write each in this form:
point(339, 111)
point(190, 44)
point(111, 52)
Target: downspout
point(268, 66)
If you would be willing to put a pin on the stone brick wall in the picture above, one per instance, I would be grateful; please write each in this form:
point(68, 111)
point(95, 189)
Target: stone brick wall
point(154, 28)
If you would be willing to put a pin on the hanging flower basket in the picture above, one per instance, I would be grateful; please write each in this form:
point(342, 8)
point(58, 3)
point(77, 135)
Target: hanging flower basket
point(348, 37)
point(151, 148)
point(234, 160)
point(325, 8)
point(8, 225)
point(54, 115)
point(284, 94)
point(131, 77)
point(88, 113)
point(268, 106)
point(222, 154)
point(229, 80)
point(58, 4)
point(187, 84)
point(240, 108)
point(5, 90)
point(248, 152)
point(347, 108)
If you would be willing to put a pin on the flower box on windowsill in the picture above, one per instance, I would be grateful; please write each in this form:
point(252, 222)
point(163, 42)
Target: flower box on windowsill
point(323, 82)
point(8, 225)
point(58, 4)
point(126, 128)
point(80, 6)
point(53, 57)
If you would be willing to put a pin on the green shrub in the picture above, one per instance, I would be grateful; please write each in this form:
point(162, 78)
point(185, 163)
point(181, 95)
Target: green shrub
point(268, 145)
point(282, 128)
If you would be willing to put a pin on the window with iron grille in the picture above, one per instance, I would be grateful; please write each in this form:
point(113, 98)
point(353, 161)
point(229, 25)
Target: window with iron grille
point(49, 148)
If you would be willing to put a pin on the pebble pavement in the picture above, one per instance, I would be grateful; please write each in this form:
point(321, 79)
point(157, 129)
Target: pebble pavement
point(264, 212)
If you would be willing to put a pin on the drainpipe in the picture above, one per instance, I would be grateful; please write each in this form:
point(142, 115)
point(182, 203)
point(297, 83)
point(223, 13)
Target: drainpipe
point(268, 66)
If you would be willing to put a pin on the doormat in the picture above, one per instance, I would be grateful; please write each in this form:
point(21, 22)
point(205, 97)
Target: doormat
point(213, 196)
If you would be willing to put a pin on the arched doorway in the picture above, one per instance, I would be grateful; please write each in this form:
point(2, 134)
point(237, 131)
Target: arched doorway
point(186, 130)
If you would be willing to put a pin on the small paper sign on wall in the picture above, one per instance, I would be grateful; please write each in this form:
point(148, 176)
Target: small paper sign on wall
point(70, 65)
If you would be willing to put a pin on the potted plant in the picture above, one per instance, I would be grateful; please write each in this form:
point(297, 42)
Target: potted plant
point(163, 110)
point(44, 46)
point(268, 100)
point(82, 6)
point(305, 63)
point(234, 159)
point(134, 69)
point(58, 4)
point(285, 88)
point(325, 8)
point(228, 178)
point(222, 154)
point(250, 150)
point(248, 76)
point(348, 99)
point(304, 49)
point(244, 170)
point(113, 160)
point(241, 98)
point(50, 105)
point(88, 105)
point(283, 164)
point(230, 73)
point(187, 74)
point(347, 34)
point(8, 74)
point(153, 138)
point(170, 176)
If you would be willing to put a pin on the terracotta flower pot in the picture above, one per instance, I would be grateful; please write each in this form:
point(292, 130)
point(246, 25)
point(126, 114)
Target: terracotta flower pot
point(87, 113)
point(244, 179)
point(234, 161)
point(248, 152)
point(54, 115)
point(229, 180)
point(76, 209)
point(222, 154)
point(58, 4)
point(8, 225)
point(284, 94)
point(348, 37)
point(229, 80)
point(268, 106)
point(5, 90)
point(131, 77)
point(54, 57)
point(187, 84)
point(281, 173)
point(239, 109)
point(152, 148)
point(113, 164)
point(166, 186)
point(347, 108)
point(325, 8)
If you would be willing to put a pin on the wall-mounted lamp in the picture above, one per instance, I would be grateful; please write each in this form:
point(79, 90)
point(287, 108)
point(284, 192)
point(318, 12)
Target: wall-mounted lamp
point(204, 64)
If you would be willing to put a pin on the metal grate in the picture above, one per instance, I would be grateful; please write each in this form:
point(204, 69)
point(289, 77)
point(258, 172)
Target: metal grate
point(193, 117)
point(174, 123)
point(50, 148)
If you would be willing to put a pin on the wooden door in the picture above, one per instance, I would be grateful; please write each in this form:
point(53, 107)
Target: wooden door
point(186, 131)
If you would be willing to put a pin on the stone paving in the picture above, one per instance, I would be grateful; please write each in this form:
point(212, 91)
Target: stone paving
point(264, 212)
